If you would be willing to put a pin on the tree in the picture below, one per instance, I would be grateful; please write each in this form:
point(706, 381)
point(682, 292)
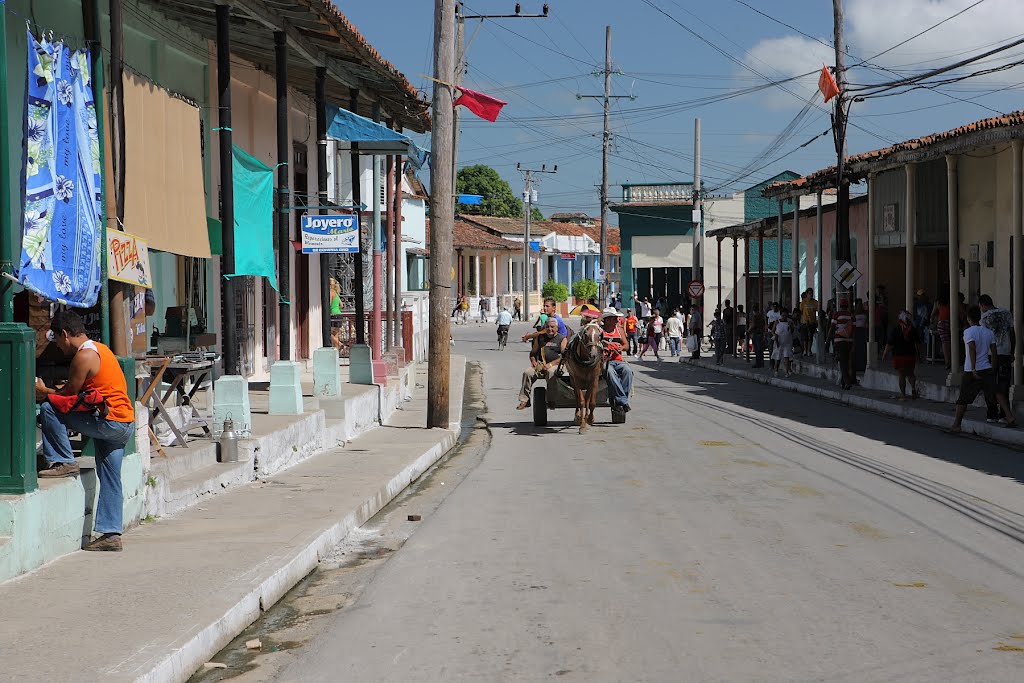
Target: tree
point(584, 289)
point(555, 290)
point(536, 215)
point(499, 199)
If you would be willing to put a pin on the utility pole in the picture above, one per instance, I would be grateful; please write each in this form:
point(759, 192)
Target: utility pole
point(442, 219)
point(606, 143)
point(461, 65)
point(529, 197)
point(839, 130)
point(698, 215)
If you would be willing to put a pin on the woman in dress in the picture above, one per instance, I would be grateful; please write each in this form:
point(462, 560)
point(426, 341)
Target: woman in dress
point(782, 354)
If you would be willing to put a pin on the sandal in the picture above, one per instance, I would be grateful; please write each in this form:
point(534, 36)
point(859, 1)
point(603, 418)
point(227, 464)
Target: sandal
point(1010, 425)
point(523, 406)
point(953, 432)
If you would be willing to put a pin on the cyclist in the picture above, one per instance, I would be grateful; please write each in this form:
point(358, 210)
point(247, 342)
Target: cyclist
point(503, 322)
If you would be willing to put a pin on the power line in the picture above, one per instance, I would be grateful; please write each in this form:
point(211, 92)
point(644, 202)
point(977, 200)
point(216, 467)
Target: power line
point(921, 33)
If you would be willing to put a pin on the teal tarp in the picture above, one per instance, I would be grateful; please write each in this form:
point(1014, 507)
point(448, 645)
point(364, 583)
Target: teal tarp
point(254, 217)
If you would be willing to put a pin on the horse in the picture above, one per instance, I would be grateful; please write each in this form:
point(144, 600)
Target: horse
point(582, 359)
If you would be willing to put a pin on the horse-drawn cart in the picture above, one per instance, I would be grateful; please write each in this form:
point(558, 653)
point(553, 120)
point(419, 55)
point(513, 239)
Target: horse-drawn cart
point(558, 393)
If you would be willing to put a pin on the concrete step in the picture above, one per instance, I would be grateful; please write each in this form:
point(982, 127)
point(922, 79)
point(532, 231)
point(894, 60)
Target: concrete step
point(181, 461)
point(168, 496)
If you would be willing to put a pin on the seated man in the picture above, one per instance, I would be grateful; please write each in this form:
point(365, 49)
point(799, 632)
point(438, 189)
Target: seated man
point(617, 373)
point(545, 362)
point(93, 366)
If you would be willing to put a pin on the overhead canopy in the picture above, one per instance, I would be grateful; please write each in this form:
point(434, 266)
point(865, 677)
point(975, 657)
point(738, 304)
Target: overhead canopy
point(373, 138)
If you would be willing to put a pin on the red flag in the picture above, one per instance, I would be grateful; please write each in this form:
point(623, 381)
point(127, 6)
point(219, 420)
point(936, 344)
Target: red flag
point(484, 106)
point(827, 84)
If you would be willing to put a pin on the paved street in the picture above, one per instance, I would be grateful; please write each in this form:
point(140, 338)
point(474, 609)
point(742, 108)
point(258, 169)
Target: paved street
point(728, 532)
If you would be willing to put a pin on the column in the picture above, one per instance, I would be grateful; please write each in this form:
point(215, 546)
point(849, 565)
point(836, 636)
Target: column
point(494, 282)
point(796, 284)
point(760, 269)
point(719, 276)
point(476, 275)
point(911, 233)
point(1018, 265)
point(747, 299)
point(735, 292)
point(870, 298)
point(953, 209)
point(778, 255)
point(511, 284)
point(819, 276)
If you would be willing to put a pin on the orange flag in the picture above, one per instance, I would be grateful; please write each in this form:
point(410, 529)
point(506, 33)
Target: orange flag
point(827, 84)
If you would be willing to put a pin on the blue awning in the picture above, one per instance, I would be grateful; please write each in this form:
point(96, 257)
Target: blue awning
point(373, 138)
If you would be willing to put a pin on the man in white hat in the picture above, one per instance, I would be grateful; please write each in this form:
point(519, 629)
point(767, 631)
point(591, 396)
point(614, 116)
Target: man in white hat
point(618, 373)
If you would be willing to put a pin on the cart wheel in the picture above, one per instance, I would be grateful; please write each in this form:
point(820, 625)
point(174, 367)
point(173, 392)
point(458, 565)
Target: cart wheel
point(618, 416)
point(540, 406)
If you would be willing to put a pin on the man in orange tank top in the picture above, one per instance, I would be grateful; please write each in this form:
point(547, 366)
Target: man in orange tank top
point(93, 367)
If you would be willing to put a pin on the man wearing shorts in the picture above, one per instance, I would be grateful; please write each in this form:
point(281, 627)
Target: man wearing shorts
point(979, 375)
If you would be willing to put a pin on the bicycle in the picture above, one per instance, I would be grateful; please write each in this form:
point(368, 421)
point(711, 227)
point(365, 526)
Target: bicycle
point(502, 337)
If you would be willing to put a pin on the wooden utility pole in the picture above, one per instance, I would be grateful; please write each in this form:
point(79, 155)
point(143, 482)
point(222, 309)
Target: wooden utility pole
point(116, 320)
point(529, 196)
point(442, 216)
point(698, 259)
point(606, 141)
point(606, 144)
point(839, 129)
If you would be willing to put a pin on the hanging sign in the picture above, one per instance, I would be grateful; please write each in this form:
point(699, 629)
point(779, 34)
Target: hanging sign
point(847, 275)
point(128, 259)
point(330, 234)
point(568, 255)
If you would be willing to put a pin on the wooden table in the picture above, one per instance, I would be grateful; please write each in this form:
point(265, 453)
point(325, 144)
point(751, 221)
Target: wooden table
point(175, 373)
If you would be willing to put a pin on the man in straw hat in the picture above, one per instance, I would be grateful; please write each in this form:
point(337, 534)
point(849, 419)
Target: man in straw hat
point(617, 372)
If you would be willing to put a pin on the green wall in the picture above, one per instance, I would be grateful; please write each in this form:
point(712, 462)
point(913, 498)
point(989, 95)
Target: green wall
point(647, 221)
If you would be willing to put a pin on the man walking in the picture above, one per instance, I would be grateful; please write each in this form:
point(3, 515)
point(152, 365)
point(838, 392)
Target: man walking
point(696, 329)
point(674, 331)
point(757, 326)
point(94, 370)
point(842, 339)
point(1000, 322)
point(728, 317)
point(808, 320)
point(979, 375)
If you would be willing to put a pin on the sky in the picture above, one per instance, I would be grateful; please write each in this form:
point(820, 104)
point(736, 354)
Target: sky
point(682, 59)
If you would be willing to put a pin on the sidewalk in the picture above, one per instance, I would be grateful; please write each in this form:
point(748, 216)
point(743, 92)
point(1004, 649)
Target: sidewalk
point(184, 587)
point(923, 410)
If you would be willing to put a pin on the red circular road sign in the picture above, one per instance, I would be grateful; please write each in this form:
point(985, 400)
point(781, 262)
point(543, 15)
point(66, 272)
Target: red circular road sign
point(695, 289)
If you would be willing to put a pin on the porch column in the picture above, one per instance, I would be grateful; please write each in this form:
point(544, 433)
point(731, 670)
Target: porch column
point(735, 292)
point(911, 232)
point(953, 209)
point(479, 286)
point(760, 268)
point(494, 280)
point(511, 284)
point(872, 320)
point(1018, 265)
point(778, 256)
point(796, 284)
point(819, 275)
point(719, 281)
point(747, 298)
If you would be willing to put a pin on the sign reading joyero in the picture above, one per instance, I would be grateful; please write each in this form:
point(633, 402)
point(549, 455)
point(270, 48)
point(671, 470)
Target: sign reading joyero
point(330, 234)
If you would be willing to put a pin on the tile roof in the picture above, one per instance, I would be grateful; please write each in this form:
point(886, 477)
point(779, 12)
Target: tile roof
point(1011, 120)
point(469, 236)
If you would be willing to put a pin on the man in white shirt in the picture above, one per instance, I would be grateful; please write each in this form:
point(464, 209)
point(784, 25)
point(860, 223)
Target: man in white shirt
point(979, 375)
point(674, 330)
point(1000, 321)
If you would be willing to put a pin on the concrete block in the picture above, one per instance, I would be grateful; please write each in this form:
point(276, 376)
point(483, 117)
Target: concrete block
point(231, 399)
point(285, 388)
point(391, 362)
point(380, 372)
point(326, 373)
point(360, 370)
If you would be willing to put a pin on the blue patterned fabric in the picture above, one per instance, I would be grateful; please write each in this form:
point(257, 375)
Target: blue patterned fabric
point(61, 241)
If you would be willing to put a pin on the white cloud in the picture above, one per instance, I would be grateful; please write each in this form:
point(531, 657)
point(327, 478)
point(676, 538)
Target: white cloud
point(873, 26)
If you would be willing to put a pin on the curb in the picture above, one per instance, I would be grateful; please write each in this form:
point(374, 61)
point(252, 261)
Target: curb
point(995, 433)
point(181, 664)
